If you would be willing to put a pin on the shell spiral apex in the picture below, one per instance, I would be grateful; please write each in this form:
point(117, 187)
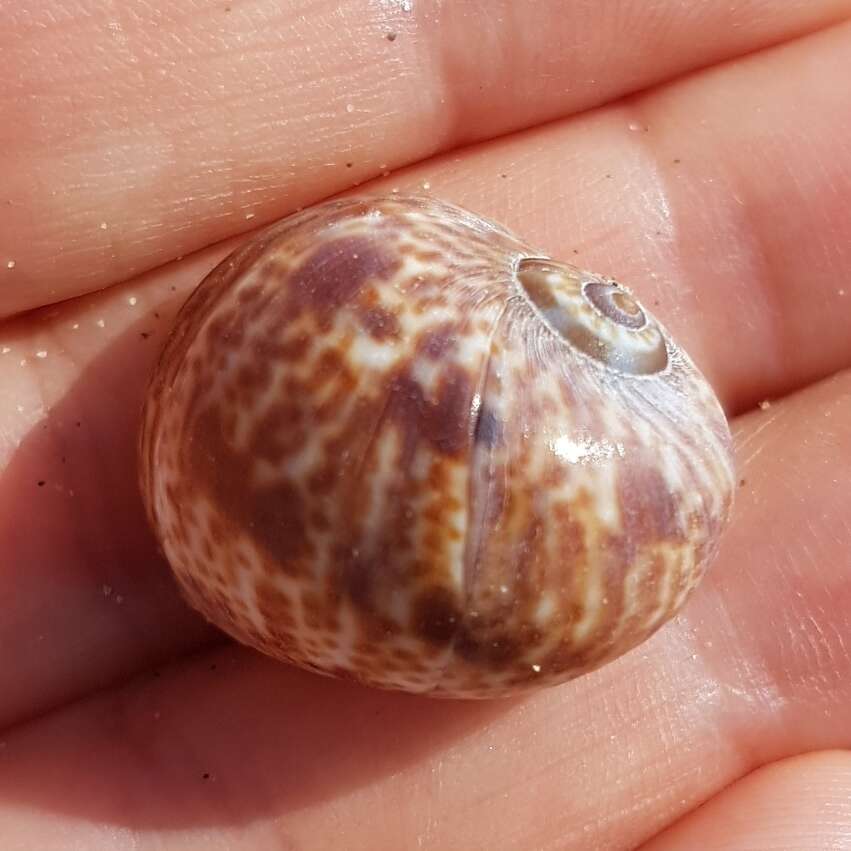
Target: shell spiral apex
point(388, 440)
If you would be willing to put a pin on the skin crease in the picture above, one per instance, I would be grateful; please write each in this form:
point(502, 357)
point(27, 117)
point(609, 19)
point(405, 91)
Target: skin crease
point(774, 807)
point(730, 210)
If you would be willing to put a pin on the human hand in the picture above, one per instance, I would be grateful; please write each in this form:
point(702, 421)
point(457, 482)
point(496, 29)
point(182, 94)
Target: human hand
point(698, 152)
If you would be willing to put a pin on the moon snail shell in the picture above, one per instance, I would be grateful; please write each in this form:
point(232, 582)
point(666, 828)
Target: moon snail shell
point(388, 440)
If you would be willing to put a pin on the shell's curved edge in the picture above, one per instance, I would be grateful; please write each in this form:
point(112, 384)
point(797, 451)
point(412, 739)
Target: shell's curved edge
point(364, 452)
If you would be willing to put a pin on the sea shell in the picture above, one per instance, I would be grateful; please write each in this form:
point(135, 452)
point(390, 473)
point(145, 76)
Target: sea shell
point(390, 441)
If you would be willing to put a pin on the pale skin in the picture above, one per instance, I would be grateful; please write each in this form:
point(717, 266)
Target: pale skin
point(697, 151)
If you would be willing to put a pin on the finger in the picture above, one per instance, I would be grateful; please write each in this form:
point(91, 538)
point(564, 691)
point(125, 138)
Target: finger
point(799, 803)
point(757, 668)
point(140, 135)
point(616, 221)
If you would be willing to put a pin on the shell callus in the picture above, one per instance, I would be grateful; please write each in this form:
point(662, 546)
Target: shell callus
point(388, 440)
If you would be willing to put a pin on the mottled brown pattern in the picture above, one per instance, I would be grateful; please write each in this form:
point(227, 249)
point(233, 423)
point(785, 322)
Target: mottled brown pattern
point(368, 450)
point(335, 272)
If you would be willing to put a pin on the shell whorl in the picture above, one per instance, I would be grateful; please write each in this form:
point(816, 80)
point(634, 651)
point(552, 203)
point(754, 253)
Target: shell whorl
point(389, 440)
point(597, 317)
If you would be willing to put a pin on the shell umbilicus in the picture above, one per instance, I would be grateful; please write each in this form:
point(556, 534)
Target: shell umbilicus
point(388, 440)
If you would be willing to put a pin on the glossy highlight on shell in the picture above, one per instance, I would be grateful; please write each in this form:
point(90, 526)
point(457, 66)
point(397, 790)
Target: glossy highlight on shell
point(388, 440)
